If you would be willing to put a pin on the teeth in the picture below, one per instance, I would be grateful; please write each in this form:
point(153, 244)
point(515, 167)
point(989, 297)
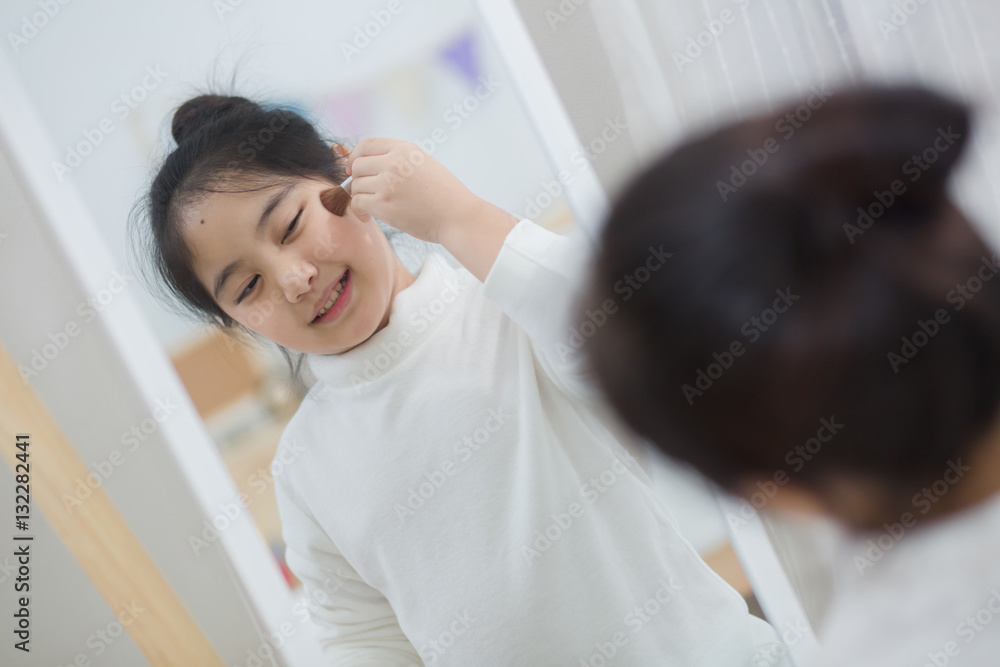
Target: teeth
point(333, 297)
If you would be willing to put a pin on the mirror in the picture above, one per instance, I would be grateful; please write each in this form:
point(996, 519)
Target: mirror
point(544, 110)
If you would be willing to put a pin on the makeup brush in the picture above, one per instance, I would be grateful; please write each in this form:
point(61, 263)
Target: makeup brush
point(336, 199)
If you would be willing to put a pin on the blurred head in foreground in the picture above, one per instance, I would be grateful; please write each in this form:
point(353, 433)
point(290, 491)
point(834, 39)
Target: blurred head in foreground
point(825, 333)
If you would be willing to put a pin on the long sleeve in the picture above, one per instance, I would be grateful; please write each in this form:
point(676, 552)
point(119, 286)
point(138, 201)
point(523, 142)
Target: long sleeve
point(537, 280)
point(357, 626)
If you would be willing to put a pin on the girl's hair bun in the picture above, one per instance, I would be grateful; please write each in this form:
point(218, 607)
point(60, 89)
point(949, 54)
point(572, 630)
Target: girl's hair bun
point(867, 141)
point(866, 154)
point(200, 110)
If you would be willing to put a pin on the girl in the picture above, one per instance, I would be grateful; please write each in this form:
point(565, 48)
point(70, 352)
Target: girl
point(450, 491)
point(860, 310)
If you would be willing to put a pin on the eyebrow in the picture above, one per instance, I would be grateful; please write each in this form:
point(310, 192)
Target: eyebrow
point(272, 203)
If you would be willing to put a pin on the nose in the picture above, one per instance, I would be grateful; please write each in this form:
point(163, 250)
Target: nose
point(295, 279)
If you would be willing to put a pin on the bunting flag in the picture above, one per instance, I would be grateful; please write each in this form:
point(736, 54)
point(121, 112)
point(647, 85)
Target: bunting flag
point(462, 54)
point(346, 115)
point(407, 87)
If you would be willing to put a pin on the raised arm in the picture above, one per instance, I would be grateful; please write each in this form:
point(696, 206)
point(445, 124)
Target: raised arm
point(537, 280)
point(402, 184)
point(533, 274)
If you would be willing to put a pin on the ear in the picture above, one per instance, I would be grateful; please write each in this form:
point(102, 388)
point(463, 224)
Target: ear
point(340, 150)
point(858, 501)
point(789, 497)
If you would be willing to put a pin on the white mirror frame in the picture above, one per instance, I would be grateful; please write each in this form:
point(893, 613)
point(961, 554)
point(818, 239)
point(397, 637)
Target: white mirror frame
point(258, 582)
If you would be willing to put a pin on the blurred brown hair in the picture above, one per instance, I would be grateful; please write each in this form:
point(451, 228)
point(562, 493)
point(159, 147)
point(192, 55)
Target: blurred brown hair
point(862, 288)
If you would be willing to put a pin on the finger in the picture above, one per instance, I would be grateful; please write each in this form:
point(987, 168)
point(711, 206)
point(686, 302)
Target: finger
point(361, 205)
point(370, 146)
point(363, 185)
point(369, 165)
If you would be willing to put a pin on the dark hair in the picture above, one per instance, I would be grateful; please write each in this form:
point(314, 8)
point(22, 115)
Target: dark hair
point(224, 144)
point(837, 233)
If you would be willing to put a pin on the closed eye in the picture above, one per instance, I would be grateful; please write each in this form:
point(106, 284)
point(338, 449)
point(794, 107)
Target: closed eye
point(248, 289)
point(292, 226)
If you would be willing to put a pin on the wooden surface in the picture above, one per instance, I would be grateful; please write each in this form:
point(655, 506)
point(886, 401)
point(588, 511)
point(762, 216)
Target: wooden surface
point(216, 371)
point(94, 532)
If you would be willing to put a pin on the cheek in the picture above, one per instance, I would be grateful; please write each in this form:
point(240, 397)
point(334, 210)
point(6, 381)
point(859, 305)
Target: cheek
point(263, 315)
point(328, 246)
point(335, 239)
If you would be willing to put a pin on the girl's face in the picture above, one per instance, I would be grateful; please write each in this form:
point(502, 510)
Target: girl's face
point(273, 259)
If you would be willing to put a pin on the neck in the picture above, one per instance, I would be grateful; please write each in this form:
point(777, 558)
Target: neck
point(401, 279)
point(964, 481)
point(977, 473)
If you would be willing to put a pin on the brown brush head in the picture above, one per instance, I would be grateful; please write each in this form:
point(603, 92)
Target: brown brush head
point(335, 200)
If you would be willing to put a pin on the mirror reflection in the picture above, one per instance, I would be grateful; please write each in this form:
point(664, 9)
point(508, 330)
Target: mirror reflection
point(605, 333)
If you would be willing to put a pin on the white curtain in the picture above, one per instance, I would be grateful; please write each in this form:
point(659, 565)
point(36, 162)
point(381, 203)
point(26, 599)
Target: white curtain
point(685, 65)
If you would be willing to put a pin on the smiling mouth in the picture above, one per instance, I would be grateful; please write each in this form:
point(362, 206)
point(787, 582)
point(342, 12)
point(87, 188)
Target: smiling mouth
point(335, 296)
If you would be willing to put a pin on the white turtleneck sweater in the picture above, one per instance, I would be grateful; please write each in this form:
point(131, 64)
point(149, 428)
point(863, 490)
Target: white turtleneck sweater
point(452, 492)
